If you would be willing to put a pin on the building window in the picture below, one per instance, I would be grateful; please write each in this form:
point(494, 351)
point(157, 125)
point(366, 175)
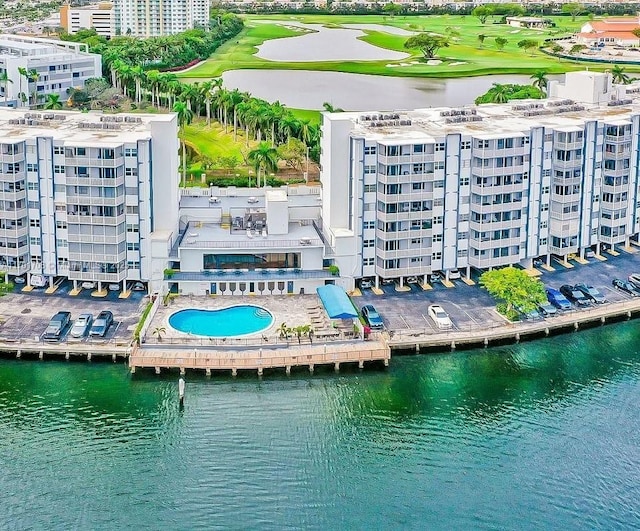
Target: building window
point(62, 243)
point(437, 220)
point(61, 224)
point(132, 210)
point(133, 246)
point(369, 150)
point(463, 253)
point(437, 238)
point(464, 181)
point(437, 255)
point(34, 240)
point(543, 241)
point(368, 261)
point(369, 169)
point(130, 152)
point(34, 222)
point(368, 243)
point(439, 146)
point(416, 259)
point(131, 172)
point(58, 150)
point(58, 169)
point(32, 167)
point(465, 145)
point(368, 224)
point(32, 186)
point(369, 187)
point(438, 165)
point(133, 265)
point(133, 228)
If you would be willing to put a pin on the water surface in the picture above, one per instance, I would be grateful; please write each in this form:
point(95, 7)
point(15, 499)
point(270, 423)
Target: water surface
point(535, 436)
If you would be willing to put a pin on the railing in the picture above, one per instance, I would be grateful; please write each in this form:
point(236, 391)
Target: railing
point(96, 276)
point(94, 162)
point(95, 181)
point(98, 257)
point(95, 201)
point(257, 241)
point(92, 238)
point(96, 220)
point(271, 341)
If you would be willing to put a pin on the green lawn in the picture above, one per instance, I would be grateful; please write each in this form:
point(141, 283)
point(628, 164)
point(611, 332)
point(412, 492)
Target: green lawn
point(213, 142)
point(465, 48)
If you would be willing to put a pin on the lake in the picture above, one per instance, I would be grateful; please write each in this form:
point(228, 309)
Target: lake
point(302, 89)
point(539, 435)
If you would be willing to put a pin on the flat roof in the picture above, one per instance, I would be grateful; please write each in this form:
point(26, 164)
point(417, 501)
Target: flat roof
point(76, 128)
point(254, 201)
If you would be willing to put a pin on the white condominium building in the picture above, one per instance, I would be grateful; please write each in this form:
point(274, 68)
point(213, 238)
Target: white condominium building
point(408, 194)
point(90, 197)
point(99, 17)
point(52, 67)
point(152, 18)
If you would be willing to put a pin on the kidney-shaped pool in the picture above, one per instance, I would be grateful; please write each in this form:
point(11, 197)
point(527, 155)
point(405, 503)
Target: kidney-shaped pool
point(240, 320)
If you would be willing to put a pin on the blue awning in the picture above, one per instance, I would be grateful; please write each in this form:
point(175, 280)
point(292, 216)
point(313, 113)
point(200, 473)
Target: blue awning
point(336, 302)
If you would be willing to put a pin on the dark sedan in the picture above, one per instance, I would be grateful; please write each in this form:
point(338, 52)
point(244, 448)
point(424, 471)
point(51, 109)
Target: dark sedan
point(626, 286)
point(591, 293)
point(574, 295)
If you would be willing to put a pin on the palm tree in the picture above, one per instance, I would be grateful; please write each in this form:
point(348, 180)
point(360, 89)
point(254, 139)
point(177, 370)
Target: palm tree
point(264, 158)
point(619, 76)
point(23, 73)
point(499, 94)
point(330, 108)
point(4, 81)
point(159, 331)
point(33, 76)
point(53, 102)
point(137, 73)
point(283, 330)
point(185, 115)
point(540, 80)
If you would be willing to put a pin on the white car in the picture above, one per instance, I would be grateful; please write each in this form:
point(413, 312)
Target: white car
point(82, 325)
point(454, 274)
point(88, 285)
point(366, 283)
point(439, 317)
point(412, 280)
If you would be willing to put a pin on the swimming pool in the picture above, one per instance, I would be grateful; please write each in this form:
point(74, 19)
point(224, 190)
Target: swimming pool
point(240, 320)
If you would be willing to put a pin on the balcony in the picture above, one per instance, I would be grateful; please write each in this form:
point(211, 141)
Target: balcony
point(485, 263)
point(410, 271)
point(92, 238)
point(14, 251)
point(405, 215)
point(86, 219)
point(238, 275)
point(403, 253)
point(15, 269)
point(14, 233)
point(16, 214)
point(96, 276)
point(98, 258)
point(14, 196)
point(94, 163)
point(12, 158)
point(95, 181)
point(93, 201)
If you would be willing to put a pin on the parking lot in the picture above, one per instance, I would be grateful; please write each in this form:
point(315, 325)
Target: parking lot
point(26, 315)
point(471, 307)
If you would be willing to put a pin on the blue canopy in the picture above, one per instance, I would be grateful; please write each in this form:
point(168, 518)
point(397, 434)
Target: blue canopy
point(336, 302)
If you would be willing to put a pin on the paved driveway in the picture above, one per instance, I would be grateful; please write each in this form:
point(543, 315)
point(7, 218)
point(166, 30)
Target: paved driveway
point(471, 307)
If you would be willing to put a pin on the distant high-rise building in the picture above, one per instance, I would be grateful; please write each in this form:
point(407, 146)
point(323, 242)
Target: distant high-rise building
point(138, 18)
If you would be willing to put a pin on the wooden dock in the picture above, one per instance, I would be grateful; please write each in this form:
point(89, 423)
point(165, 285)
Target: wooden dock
point(24, 349)
point(258, 359)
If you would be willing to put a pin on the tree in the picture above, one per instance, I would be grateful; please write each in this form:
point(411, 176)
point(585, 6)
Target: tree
point(330, 108)
point(573, 8)
point(502, 93)
point(159, 331)
point(481, 39)
point(293, 153)
point(540, 80)
point(53, 102)
point(619, 76)
point(427, 44)
point(4, 81)
point(501, 42)
point(392, 9)
point(185, 115)
point(264, 159)
point(514, 289)
point(636, 32)
point(556, 48)
point(482, 12)
point(527, 44)
point(23, 73)
point(283, 331)
point(577, 48)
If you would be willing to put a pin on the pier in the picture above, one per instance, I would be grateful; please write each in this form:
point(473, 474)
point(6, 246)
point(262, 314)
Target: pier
point(259, 359)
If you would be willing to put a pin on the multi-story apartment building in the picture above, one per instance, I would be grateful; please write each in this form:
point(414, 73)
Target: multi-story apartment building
point(434, 190)
point(99, 17)
point(90, 197)
point(57, 66)
point(152, 18)
point(137, 18)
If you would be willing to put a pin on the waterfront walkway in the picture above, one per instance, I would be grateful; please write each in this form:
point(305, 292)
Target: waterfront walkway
point(258, 359)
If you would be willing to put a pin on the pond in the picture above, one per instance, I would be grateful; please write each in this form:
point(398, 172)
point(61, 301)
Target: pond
point(320, 43)
point(303, 89)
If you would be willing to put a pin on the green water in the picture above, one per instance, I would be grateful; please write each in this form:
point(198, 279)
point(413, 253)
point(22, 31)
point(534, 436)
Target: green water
point(541, 435)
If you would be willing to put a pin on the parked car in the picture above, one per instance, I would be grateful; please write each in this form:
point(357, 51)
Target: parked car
point(634, 279)
point(591, 293)
point(82, 325)
point(88, 285)
point(388, 281)
point(412, 280)
point(19, 280)
point(531, 315)
point(439, 316)
point(366, 283)
point(454, 274)
point(626, 286)
point(114, 287)
point(574, 295)
point(139, 286)
point(547, 310)
point(558, 299)
point(38, 281)
point(372, 317)
point(57, 325)
point(101, 324)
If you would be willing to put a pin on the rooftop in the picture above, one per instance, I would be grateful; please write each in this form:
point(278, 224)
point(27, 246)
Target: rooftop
point(491, 120)
point(226, 203)
point(76, 128)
